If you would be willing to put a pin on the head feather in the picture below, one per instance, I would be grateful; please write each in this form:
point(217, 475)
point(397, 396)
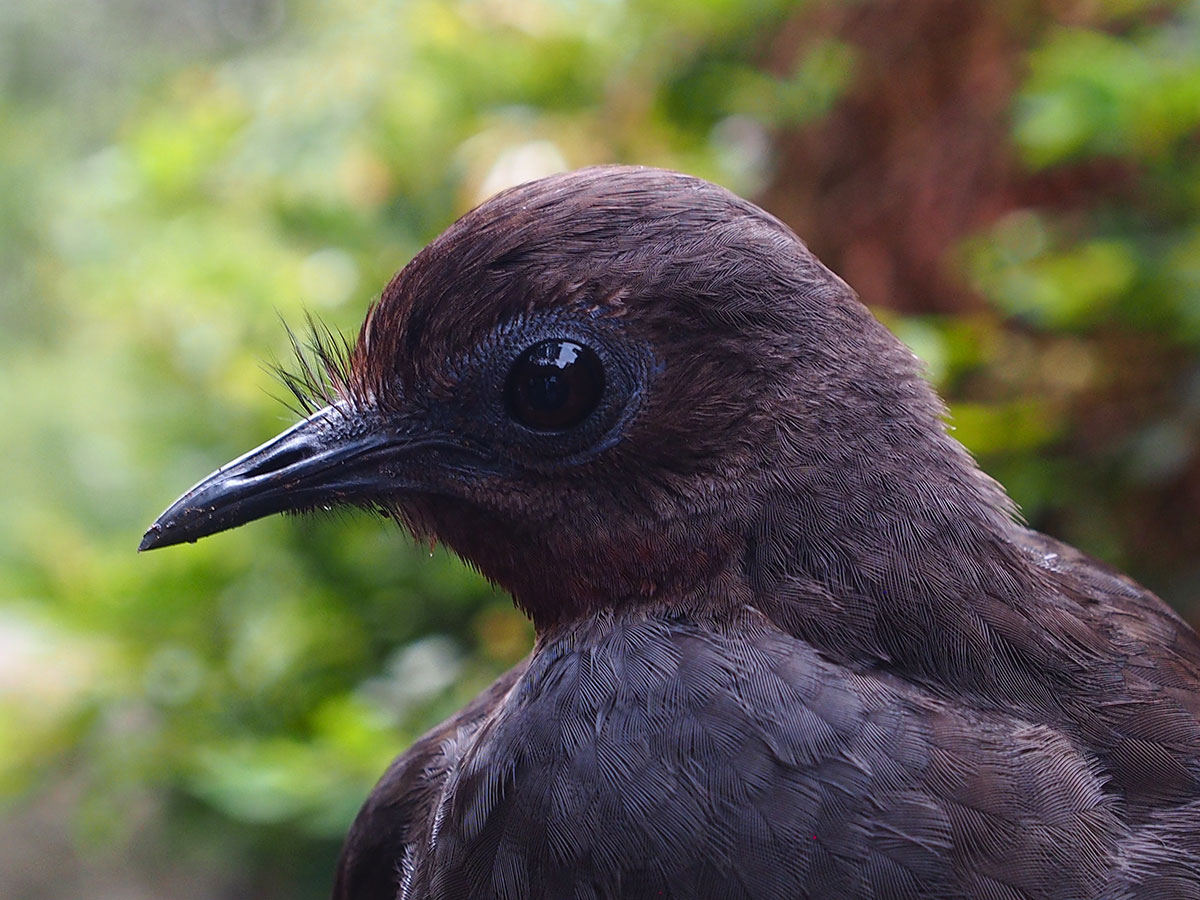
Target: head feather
point(319, 373)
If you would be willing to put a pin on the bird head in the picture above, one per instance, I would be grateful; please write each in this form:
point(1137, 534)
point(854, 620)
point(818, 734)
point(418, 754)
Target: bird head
point(619, 385)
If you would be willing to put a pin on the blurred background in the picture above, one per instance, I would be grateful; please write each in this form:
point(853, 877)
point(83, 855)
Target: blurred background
point(1014, 187)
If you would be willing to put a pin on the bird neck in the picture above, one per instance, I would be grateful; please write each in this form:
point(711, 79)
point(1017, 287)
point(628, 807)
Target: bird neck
point(890, 550)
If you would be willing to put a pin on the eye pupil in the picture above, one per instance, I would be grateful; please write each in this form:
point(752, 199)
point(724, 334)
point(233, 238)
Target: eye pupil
point(554, 385)
point(547, 392)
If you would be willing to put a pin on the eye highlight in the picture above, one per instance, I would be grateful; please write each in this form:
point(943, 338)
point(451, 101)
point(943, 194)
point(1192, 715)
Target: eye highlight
point(554, 385)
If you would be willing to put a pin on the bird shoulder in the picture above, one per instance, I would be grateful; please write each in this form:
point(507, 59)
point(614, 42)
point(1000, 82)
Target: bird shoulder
point(398, 808)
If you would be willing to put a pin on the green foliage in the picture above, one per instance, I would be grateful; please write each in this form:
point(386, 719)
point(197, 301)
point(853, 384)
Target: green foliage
point(169, 191)
point(1091, 93)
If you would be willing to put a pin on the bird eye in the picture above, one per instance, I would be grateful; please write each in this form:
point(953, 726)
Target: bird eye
point(554, 385)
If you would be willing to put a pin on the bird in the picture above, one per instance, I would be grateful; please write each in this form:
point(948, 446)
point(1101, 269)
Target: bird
point(790, 640)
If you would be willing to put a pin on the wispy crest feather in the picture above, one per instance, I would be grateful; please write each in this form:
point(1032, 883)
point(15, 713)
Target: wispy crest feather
point(319, 373)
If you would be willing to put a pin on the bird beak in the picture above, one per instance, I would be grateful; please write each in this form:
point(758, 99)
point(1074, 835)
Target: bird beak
point(329, 458)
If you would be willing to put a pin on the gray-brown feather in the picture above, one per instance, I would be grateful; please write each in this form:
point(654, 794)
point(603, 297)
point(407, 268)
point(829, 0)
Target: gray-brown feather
point(646, 756)
point(791, 643)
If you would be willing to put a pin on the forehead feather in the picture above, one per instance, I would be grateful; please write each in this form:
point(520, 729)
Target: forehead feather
point(588, 240)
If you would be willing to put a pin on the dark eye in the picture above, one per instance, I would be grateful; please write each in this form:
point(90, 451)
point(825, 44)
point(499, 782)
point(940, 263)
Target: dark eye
point(554, 385)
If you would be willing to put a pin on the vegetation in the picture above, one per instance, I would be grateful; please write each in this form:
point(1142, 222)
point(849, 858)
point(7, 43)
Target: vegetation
point(1015, 187)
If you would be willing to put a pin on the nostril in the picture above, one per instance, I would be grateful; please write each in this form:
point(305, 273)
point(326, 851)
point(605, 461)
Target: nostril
point(276, 462)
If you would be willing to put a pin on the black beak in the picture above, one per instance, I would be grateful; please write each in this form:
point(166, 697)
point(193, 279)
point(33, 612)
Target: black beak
point(332, 457)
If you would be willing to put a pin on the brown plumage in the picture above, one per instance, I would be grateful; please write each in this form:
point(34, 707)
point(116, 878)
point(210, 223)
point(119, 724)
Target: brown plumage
point(791, 642)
